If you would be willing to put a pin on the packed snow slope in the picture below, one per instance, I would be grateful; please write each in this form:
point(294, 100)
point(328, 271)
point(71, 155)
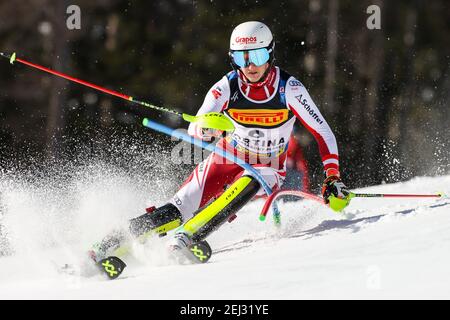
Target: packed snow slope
point(376, 249)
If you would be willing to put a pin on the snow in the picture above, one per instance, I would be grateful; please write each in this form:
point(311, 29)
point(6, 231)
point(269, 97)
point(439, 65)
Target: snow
point(376, 249)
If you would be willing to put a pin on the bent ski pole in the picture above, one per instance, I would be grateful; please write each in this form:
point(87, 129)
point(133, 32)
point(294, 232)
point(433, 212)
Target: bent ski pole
point(212, 120)
point(211, 147)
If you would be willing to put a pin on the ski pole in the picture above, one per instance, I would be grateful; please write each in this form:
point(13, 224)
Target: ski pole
point(338, 204)
point(212, 120)
point(335, 203)
point(384, 195)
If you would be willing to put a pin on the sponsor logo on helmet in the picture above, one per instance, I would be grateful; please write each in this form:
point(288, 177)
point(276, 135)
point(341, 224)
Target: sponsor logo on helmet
point(245, 40)
point(308, 108)
point(261, 117)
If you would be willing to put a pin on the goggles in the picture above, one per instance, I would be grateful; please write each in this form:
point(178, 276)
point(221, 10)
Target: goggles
point(257, 56)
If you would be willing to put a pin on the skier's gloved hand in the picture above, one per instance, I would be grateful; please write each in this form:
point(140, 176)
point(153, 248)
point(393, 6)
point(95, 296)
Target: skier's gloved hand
point(333, 185)
point(207, 134)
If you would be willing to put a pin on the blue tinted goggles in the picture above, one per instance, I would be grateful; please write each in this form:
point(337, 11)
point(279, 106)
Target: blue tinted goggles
point(257, 56)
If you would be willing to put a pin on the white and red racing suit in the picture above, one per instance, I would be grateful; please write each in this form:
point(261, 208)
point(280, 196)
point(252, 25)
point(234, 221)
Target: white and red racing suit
point(263, 115)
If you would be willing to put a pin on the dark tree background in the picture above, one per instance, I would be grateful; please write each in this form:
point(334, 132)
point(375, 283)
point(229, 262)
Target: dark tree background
point(384, 92)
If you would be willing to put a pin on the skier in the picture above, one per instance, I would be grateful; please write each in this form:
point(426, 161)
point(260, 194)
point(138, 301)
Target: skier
point(263, 102)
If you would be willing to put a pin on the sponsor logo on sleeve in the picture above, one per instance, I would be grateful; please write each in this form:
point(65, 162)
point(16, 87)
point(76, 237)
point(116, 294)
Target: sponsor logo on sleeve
point(307, 106)
point(295, 83)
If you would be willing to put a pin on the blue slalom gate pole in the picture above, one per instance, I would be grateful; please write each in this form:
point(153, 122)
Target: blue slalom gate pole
point(211, 147)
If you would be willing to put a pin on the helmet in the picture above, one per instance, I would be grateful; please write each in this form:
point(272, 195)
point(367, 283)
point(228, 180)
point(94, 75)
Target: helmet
point(247, 38)
point(250, 35)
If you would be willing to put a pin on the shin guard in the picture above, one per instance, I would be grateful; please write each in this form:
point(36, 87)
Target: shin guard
point(209, 218)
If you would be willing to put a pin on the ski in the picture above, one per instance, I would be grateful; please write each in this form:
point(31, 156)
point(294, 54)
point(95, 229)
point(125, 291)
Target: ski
point(112, 267)
point(196, 253)
point(199, 252)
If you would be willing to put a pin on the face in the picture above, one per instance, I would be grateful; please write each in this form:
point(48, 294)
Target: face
point(254, 73)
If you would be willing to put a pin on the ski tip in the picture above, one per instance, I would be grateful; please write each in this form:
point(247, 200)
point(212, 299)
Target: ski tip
point(199, 252)
point(112, 267)
point(262, 218)
point(145, 122)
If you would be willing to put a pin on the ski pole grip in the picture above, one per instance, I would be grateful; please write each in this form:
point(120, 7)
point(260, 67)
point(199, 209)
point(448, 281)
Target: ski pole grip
point(12, 58)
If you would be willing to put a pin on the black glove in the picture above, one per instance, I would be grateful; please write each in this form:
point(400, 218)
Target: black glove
point(334, 186)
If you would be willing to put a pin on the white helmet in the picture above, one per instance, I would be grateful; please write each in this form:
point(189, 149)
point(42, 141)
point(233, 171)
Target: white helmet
point(251, 42)
point(250, 35)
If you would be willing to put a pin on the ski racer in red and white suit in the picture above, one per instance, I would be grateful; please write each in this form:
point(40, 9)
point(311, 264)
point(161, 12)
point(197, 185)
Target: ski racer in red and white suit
point(263, 115)
point(263, 102)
